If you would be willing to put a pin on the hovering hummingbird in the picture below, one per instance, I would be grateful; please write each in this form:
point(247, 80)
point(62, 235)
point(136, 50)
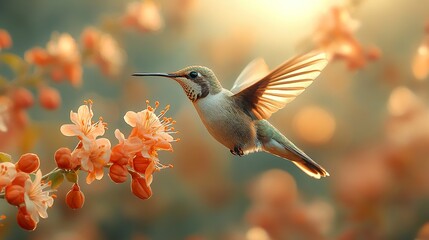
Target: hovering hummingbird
point(238, 118)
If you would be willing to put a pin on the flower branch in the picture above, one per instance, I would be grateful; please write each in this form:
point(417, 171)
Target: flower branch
point(23, 185)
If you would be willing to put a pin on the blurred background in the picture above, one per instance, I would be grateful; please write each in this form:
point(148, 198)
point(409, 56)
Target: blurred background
point(365, 118)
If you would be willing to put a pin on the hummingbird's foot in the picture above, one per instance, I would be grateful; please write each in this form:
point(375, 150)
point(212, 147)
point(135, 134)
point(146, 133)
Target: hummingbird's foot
point(237, 151)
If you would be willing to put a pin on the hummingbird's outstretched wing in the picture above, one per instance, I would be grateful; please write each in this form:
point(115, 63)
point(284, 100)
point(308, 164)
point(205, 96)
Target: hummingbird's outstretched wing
point(253, 72)
point(266, 94)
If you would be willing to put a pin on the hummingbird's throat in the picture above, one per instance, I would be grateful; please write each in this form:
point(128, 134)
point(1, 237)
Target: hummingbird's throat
point(195, 91)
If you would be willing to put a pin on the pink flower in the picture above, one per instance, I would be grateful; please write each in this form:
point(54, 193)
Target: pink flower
point(103, 50)
point(93, 156)
point(335, 35)
point(61, 57)
point(83, 125)
point(137, 154)
point(144, 16)
point(5, 108)
point(127, 148)
point(36, 200)
point(7, 173)
point(150, 129)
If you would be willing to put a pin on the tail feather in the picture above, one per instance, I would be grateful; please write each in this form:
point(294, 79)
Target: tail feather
point(276, 143)
point(291, 152)
point(311, 168)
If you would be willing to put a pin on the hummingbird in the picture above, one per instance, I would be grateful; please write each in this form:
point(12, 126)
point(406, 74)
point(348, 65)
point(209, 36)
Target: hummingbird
point(237, 118)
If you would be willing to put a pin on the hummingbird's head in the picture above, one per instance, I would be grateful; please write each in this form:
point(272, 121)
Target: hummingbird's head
point(196, 81)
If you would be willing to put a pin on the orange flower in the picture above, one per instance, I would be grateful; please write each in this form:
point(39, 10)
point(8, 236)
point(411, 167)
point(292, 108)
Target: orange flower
point(93, 156)
point(36, 200)
point(61, 58)
point(83, 125)
point(103, 49)
point(155, 133)
point(143, 16)
point(123, 152)
point(5, 39)
point(335, 34)
point(137, 154)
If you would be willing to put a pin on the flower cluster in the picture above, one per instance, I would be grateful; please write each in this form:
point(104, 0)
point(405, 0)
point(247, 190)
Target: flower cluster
point(335, 35)
point(61, 58)
point(91, 154)
point(144, 16)
point(137, 154)
point(27, 193)
point(103, 50)
point(22, 183)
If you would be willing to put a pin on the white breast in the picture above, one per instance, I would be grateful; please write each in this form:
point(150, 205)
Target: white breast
point(225, 121)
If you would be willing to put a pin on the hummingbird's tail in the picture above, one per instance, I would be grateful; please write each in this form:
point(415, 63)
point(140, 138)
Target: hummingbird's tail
point(279, 145)
point(311, 168)
point(291, 152)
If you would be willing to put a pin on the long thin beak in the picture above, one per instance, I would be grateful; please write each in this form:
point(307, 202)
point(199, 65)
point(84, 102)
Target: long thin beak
point(169, 75)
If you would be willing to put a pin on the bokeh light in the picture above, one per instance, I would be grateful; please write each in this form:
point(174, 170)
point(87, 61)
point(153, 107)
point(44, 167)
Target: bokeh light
point(314, 125)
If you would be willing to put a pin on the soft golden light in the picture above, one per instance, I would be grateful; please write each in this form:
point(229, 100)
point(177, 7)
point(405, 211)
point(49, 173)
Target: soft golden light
point(314, 125)
point(401, 101)
point(420, 65)
point(257, 233)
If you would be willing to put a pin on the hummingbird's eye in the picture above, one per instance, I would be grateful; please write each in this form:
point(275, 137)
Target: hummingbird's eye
point(193, 74)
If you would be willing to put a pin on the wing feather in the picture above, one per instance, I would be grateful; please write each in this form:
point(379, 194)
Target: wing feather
point(252, 73)
point(278, 87)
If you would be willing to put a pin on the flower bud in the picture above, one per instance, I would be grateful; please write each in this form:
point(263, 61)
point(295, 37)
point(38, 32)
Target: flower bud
point(63, 158)
point(20, 179)
point(49, 98)
point(139, 187)
point(22, 98)
point(141, 163)
point(5, 39)
point(28, 163)
point(373, 53)
point(118, 156)
point(75, 198)
point(89, 38)
point(118, 173)
point(14, 194)
point(24, 219)
point(20, 117)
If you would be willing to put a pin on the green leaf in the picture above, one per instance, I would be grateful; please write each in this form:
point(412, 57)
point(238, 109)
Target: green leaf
point(56, 179)
point(16, 63)
point(4, 157)
point(71, 176)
